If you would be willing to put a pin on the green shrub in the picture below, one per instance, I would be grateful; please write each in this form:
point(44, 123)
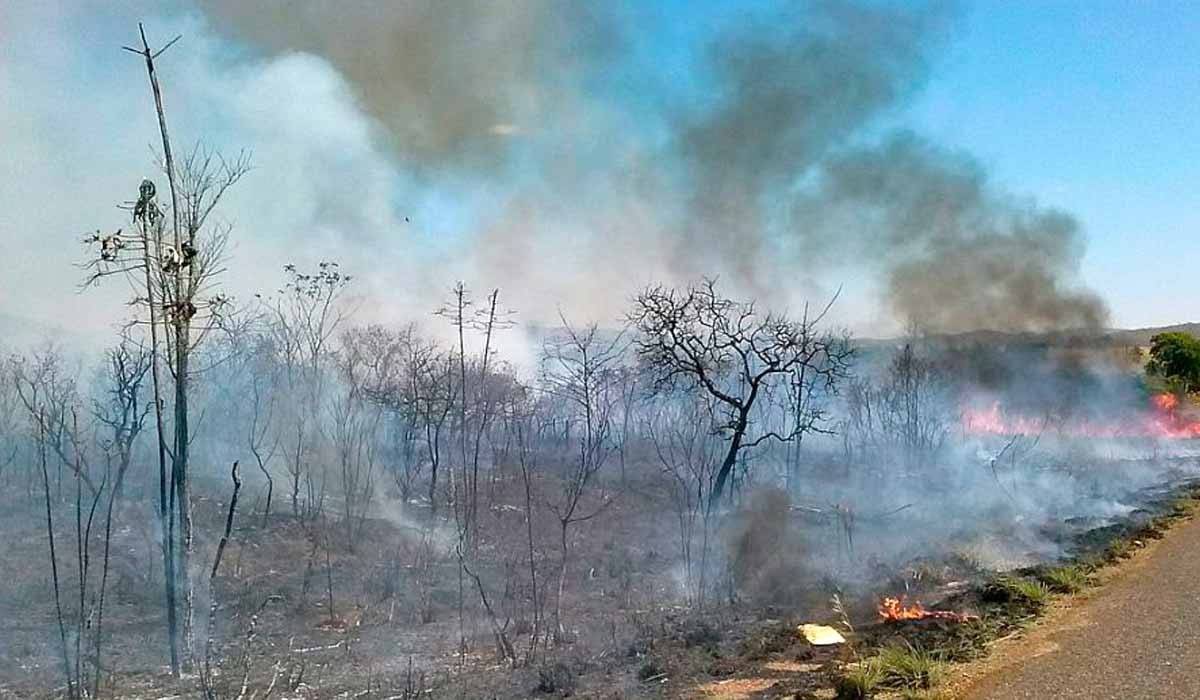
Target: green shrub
point(906, 669)
point(1014, 589)
point(1069, 579)
point(860, 680)
point(909, 668)
point(1118, 550)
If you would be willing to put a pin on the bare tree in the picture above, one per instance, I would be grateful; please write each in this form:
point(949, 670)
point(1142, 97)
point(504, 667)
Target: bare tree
point(914, 401)
point(64, 654)
point(193, 311)
point(47, 390)
point(698, 339)
point(521, 417)
point(261, 437)
point(488, 321)
point(581, 368)
point(10, 440)
point(412, 379)
point(457, 311)
point(49, 396)
point(681, 429)
point(630, 382)
point(903, 411)
point(304, 318)
point(356, 423)
point(124, 412)
point(141, 259)
point(175, 280)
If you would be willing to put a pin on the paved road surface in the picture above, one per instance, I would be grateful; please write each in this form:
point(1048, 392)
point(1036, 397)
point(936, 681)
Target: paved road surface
point(1138, 638)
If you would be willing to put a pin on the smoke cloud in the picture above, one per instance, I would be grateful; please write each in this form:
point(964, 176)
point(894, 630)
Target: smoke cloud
point(784, 98)
point(448, 80)
point(569, 155)
point(955, 255)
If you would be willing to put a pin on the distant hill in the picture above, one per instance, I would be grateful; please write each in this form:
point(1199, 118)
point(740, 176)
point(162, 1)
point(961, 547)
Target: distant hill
point(1142, 336)
point(1109, 338)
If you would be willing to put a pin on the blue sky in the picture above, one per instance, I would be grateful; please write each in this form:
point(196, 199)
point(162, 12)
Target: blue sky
point(1092, 106)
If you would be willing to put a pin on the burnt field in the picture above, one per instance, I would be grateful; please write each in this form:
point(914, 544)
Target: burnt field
point(536, 571)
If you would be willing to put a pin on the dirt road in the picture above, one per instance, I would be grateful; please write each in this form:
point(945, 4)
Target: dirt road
point(1137, 638)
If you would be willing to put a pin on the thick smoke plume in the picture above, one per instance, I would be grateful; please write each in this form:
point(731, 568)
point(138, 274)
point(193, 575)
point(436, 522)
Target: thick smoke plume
point(446, 79)
point(955, 254)
point(569, 155)
point(765, 169)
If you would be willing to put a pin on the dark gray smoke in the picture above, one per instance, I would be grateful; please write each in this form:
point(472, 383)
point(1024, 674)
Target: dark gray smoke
point(759, 156)
point(788, 87)
point(955, 254)
point(447, 79)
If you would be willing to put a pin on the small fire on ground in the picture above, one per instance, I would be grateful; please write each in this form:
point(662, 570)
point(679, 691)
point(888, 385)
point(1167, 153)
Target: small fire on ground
point(896, 610)
point(1161, 419)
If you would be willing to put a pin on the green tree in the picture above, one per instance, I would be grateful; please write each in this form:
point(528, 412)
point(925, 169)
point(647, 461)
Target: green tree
point(1176, 358)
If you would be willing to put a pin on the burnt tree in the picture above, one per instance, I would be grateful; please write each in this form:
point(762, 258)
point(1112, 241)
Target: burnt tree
point(696, 339)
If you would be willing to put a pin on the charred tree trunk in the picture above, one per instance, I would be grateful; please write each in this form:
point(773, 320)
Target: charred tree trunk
point(731, 455)
point(62, 630)
point(180, 458)
point(164, 515)
point(559, 630)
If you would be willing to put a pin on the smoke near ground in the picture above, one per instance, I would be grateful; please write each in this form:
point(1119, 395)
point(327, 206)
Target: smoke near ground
point(572, 155)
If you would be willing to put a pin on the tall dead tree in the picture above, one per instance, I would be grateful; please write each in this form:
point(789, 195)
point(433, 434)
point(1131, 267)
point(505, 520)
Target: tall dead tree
point(488, 321)
point(456, 311)
point(697, 339)
point(167, 496)
point(175, 279)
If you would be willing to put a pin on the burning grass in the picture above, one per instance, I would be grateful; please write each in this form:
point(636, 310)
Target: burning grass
point(896, 610)
point(911, 650)
point(1160, 419)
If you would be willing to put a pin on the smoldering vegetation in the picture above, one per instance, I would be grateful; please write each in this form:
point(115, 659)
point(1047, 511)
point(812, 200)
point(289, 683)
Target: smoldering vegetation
point(413, 511)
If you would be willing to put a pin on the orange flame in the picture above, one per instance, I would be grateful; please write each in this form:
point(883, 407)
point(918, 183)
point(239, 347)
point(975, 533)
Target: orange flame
point(1165, 402)
point(1160, 420)
point(895, 610)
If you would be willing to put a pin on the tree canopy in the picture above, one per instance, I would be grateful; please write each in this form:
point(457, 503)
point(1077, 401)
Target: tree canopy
point(1176, 357)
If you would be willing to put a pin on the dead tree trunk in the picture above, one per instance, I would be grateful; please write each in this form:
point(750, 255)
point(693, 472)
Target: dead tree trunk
point(62, 630)
point(206, 674)
point(164, 515)
point(180, 458)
